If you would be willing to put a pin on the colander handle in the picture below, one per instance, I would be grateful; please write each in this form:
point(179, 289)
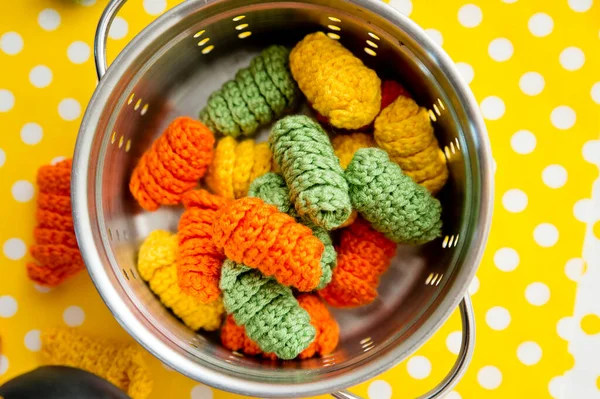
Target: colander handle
point(460, 366)
point(101, 38)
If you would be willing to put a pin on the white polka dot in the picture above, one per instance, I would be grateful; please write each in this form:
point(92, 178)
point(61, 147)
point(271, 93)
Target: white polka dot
point(565, 328)
point(574, 268)
point(591, 152)
point(453, 342)
point(22, 191)
point(523, 142)
point(42, 289)
point(529, 353)
point(118, 29)
point(32, 340)
point(31, 133)
point(8, 306)
point(470, 15)
point(506, 259)
point(563, 117)
point(514, 200)
point(545, 235)
point(540, 24)
point(40, 76)
point(453, 395)
point(379, 389)
point(404, 6)
point(56, 160)
point(78, 52)
point(418, 367)
point(201, 391)
point(14, 248)
point(466, 71)
point(474, 286)
point(7, 100)
point(554, 176)
point(580, 5)
point(556, 387)
point(4, 363)
point(583, 210)
point(11, 43)
point(73, 316)
point(155, 7)
point(532, 83)
point(500, 49)
point(572, 58)
point(69, 109)
point(595, 92)
point(2, 157)
point(49, 19)
point(435, 35)
point(497, 318)
point(492, 108)
point(489, 377)
point(537, 294)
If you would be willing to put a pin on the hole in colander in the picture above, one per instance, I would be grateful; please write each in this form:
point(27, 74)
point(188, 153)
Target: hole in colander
point(130, 100)
point(447, 152)
point(456, 240)
point(334, 27)
point(244, 35)
point(110, 237)
point(118, 235)
point(239, 18)
point(121, 142)
point(113, 137)
point(334, 19)
point(144, 109)
point(333, 36)
point(370, 51)
point(452, 147)
point(208, 49)
point(238, 354)
point(445, 242)
point(451, 241)
point(457, 144)
point(128, 145)
point(133, 274)
point(439, 280)
point(429, 278)
point(441, 103)
point(432, 116)
point(372, 44)
point(137, 104)
point(125, 273)
point(241, 27)
point(203, 41)
point(374, 36)
point(437, 110)
point(198, 34)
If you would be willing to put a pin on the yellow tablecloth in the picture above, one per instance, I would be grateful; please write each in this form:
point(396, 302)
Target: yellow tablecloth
point(533, 66)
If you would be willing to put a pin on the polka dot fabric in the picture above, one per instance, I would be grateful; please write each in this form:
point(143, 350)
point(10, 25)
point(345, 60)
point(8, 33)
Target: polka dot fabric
point(544, 129)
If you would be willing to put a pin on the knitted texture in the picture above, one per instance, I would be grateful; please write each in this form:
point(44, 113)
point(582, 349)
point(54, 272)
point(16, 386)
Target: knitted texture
point(156, 265)
point(336, 83)
point(404, 130)
point(173, 165)
point(267, 309)
point(234, 337)
point(271, 188)
point(391, 201)
point(363, 255)
point(311, 170)
point(121, 364)
point(256, 234)
point(198, 259)
point(235, 165)
point(259, 93)
point(56, 247)
point(345, 145)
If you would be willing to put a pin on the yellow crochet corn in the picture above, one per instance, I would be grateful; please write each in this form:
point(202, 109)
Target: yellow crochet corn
point(121, 364)
point(156, 265)
point(404, 130)
point(336, 83)
point(235, 165)
point(345, 145)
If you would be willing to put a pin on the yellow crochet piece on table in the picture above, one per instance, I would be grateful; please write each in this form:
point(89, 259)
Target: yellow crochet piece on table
point(156, 264)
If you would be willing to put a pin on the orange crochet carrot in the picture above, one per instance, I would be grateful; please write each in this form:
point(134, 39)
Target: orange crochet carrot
point(363, 255)
point(173, 165)
point(56, 247)
point(234, 337)
point(259, 236)
point(198, 259)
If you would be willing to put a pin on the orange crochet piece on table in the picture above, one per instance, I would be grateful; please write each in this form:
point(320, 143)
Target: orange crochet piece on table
point(199, 261)
point(173, 165)
point(56, 247)
point(256, 234)
point(234, 337)
point(363, 256)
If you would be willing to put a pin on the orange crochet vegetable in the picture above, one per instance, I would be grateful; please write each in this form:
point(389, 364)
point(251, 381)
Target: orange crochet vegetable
point(234, 337)
point(259, 236)
point(198, 259)
point(363, 255)
point(173, 165)
point(56, 247)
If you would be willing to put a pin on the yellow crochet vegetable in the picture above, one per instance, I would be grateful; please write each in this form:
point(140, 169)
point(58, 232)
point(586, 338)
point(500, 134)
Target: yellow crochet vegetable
point(336, 83)
point(345, 145)
point(156, 265)
point(235, 165)
point(404, 130)
point(121, 364)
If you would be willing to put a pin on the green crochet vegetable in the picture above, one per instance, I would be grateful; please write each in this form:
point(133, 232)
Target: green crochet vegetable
point(391, 201)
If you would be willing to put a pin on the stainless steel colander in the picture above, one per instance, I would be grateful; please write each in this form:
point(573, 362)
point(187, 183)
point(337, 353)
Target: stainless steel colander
point(170, 69)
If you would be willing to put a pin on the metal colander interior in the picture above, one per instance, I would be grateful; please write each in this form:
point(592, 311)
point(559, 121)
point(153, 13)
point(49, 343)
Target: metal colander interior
point(169, 70)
